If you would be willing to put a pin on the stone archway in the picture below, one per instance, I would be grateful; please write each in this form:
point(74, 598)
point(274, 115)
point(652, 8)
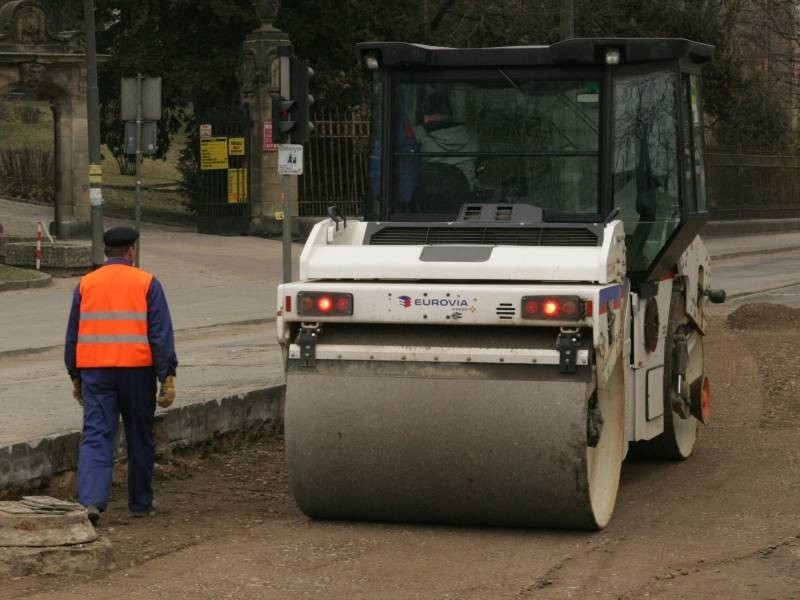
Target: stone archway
point(53, 65)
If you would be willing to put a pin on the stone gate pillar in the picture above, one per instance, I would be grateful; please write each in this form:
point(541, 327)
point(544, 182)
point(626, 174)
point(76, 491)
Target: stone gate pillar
point(39, 62)
point(259, 77)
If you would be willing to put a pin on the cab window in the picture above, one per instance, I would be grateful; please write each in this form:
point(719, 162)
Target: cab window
point(646, 169)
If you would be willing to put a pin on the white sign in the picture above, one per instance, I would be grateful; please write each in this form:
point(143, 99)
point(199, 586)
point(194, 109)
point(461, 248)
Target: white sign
point(290, 159)
point(205, 130)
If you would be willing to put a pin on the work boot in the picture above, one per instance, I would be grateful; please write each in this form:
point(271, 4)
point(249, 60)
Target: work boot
point(150, 511)
point(94, 514)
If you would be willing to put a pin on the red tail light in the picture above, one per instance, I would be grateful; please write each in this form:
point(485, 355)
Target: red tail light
point(553, 308)
point(324, 304)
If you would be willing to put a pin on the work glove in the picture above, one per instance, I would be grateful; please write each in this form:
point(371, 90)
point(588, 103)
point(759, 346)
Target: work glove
point(167, 394)
point(76, 390)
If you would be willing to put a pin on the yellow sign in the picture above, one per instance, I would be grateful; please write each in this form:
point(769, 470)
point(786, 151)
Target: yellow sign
point(237, 186)
point(236, 146)
point(278, 215)
point(213, 153)
point(95, 169)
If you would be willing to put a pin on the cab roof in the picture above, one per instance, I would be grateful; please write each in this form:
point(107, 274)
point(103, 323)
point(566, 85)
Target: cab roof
point(576, 51)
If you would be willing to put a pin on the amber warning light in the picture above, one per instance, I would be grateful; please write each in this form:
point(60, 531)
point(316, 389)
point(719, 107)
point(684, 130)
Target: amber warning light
point(324, 304)
point(554, 308)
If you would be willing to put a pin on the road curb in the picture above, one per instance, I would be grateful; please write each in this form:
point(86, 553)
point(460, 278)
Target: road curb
point(28, 463)
point(755, 251)
point(41, 280)
point(719, 228)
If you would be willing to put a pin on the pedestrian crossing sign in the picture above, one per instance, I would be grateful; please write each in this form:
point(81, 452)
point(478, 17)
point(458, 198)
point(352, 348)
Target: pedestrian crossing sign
point(290, 159)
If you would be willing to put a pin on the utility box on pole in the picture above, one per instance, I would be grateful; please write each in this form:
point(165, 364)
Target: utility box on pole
point(140, 106)
point(151, 99)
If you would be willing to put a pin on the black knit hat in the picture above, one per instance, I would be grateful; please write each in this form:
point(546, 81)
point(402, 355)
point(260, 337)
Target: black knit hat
point(438, 103)
point(119, 237)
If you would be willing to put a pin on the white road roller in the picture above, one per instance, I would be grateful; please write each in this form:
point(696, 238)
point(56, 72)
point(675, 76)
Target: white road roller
point(525, 299)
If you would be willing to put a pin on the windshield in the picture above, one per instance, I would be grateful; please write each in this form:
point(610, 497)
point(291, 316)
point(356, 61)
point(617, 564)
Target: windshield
point(501, 141)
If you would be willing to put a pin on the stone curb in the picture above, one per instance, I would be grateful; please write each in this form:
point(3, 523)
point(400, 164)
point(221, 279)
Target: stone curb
point(754, 251)
point(749, 227)
point(42, 280)
point(26, 463)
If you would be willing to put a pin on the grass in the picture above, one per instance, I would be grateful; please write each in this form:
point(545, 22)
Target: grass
point(14, 274)
point(119, 192)
point(169, 202)
point(154, 171)
point(16, 134)
point(118, 189)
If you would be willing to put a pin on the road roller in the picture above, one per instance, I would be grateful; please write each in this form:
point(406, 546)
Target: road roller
point(523, 303)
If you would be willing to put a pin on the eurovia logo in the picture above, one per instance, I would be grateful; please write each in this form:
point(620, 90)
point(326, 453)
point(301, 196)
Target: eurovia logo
point(457, 304)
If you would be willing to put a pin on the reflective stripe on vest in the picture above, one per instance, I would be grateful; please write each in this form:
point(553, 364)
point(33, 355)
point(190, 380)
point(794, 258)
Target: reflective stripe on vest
point(112, 331)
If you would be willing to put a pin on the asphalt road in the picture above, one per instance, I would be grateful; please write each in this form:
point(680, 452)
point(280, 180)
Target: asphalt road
point(221, 292)
point(769, 277)
point(723, 524)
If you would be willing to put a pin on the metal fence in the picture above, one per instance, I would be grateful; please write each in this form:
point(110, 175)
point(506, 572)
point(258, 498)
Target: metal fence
point(335, 170)
point(740, 184)
point(745, 185)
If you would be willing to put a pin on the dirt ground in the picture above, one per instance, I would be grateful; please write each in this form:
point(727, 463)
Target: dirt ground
point(724, 524)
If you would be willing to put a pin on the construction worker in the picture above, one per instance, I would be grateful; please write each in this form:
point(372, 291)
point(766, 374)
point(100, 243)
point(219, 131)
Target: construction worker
point(119, 341)
point(447, 141)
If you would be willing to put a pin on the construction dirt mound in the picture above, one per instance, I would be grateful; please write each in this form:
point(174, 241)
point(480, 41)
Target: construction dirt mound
point(764, 316)
point(754, 328)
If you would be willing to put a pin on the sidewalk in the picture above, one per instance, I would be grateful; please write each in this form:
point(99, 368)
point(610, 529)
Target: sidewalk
point(741, 245)
point(221, 292)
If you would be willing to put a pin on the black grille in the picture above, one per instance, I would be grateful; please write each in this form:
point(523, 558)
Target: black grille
point(472, 213)
point(506, 310)
point(508, 236)
point(503, 213)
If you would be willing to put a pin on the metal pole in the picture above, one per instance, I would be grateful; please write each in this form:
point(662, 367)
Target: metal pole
point(287, 229)
point(287, 204)
point(567, 28)
point(93, 117)
point(138, 210)
point(56, 170)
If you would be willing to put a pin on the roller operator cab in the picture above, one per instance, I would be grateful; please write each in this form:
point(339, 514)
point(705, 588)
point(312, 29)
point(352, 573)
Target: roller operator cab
point(524, 301)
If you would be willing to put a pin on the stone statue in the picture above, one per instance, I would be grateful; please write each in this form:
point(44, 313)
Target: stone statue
point(30, 74)
point(247, 72)
point(31, 28)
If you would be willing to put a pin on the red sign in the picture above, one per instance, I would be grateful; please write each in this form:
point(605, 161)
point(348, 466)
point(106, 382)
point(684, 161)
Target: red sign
point(267, 144)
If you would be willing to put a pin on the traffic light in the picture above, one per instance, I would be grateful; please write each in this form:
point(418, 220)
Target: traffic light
point(283, 122)
point(291, 119)
point(299, 74)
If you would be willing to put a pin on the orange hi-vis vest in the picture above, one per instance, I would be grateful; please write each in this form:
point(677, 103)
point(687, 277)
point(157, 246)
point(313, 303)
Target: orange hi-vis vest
point(112, 331)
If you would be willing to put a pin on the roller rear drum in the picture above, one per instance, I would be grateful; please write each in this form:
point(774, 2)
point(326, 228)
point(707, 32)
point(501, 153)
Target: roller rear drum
point(441, 444)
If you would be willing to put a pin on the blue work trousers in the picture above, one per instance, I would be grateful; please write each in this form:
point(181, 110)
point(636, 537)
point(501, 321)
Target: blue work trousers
point(107, 393)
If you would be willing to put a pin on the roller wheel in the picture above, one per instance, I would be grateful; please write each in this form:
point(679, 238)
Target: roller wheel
point(679, 436)
point(366, 445)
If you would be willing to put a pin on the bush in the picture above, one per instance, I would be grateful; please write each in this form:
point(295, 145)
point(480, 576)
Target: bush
point(27, 173)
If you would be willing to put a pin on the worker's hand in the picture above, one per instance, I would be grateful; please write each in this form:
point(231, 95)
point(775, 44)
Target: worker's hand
point(76, 390)
point(167, 394)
